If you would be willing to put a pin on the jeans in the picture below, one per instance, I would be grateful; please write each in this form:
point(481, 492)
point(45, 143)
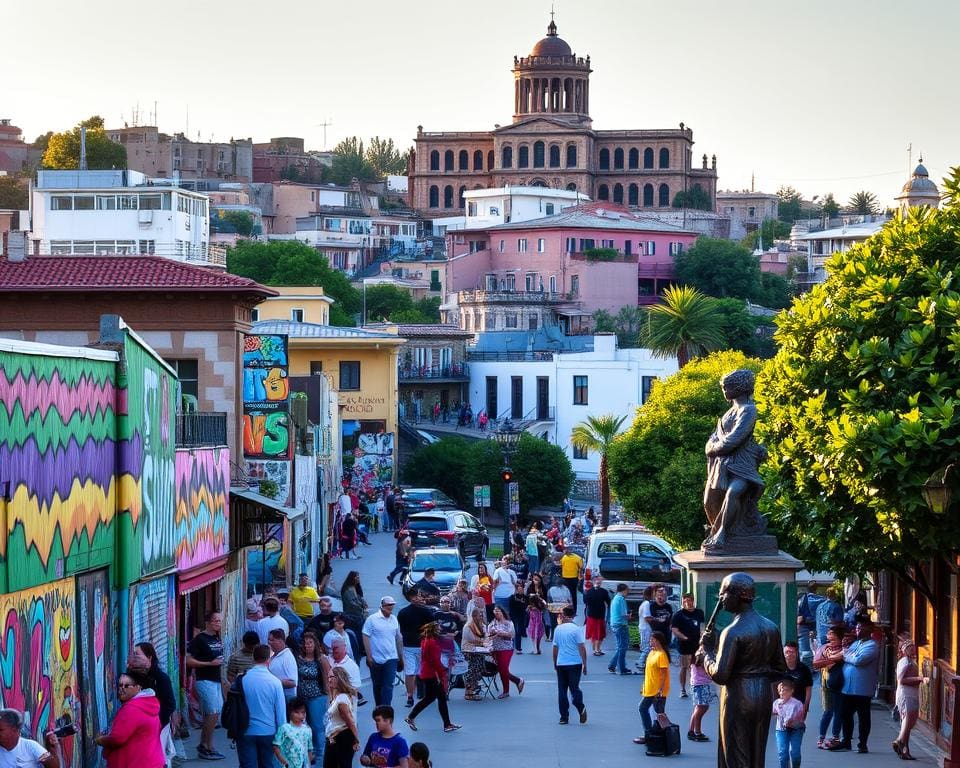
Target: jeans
point(659, 704)
point(568, 680)
point(255, 751)
point(316, 711)
point(572, 584)
point(831, 712)
point(788, 747)
point(534, 563)
point(859, 706)
point(382, 677)
point(401, 568)
point(433, 691)
point(621, 633)
point(644, 649)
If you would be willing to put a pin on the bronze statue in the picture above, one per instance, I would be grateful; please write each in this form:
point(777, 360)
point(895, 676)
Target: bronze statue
point(749, 659)
point(734, 485)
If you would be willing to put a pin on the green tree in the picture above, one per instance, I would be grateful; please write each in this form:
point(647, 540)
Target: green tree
point(596, 434)
point(384, 158)
point(63, 149)
point(350, 162)
point(429, 307)
point(769, 230)
point(657, 467)
point(830, 207)
point(790, 200)
point(384, 300)
point(42, 141)
point(603, 322)
point(720, 268)
point(774, 291)
point(13, 193)
point(626, 324)
point(445, 465)
point(744, 332)
point(685, 326)
point(695, 198)
point(863, 203)
point(543, 471)
point(241, 221)
point(860, 405)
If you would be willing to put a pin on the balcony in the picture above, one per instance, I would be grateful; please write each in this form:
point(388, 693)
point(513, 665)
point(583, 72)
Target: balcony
point(629, 258)
point(500, 357)
point(421, 373)
point(512, 297)
point(201, 430)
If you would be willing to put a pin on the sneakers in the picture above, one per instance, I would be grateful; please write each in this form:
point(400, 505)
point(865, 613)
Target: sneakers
point(683, 695)
point(563, 721)
point(409, 701)
point(209, 754)
point(583, 715)
point(451, 728)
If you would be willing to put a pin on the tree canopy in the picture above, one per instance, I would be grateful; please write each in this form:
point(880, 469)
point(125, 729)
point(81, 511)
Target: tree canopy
point(859, 408)
point(695, 197)
point(769, 230)
point(790, 200)
point(384, 158)
point(657, 467)
point(13, 193)
point(719, 268)
point(389, 302)
point(63, 149)
point(863, 203)
point(686, 325)
point(596, 433)
point(626, 324)
point(830, 207)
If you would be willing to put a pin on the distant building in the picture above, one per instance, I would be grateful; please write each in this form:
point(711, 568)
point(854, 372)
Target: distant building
point(506, 205)
point(823, 244)
point(296, 304)
point(750, 208)
point(919, 190)
point(286, 158)
point(16, 155)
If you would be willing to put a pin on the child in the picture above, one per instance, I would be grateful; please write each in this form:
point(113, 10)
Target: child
point(790, 725)
point(420, 755)
point(385, 748)
point(702, 693)
point(293, 744)
point(535, 610)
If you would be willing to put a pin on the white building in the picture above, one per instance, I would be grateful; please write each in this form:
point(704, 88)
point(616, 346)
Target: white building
point(550, 392)
point(503, 205)
point(823, 244)
point(118, 212)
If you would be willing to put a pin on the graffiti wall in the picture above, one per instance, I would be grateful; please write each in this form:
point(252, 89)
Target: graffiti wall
point(202, 512)
point(233, 600)
point(367, 455)
point(57, 461)
point(277, 472)
point(37, 658)
point(266, 429)
point(153, 620)
point(95, 658)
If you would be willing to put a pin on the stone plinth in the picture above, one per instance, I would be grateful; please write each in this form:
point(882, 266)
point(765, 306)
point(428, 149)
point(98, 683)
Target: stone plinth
point(774, 576)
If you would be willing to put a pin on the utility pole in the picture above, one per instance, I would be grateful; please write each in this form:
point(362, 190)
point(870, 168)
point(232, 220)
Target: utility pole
point(324, 125)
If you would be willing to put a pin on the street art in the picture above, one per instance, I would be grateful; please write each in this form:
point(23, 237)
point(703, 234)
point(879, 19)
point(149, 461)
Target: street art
point(266, 351)
point(95, 653)
point(202, 485)
point(37, 658)
point(57, 460)
point(267, 563)
point(153, 618)
point(266, 425)
point(275, 471)
point(367, 455)
point(266, 435)
point(265, 384)
point(232, 608)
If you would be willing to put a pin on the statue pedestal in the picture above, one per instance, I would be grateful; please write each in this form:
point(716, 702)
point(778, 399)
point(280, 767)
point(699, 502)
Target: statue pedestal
point(774, 576)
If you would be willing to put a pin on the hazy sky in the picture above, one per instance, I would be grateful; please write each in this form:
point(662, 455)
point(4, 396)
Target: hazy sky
point(825, 95)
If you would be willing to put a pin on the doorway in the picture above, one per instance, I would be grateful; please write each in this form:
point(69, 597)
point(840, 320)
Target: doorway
point(543, 398)
point(516, 397)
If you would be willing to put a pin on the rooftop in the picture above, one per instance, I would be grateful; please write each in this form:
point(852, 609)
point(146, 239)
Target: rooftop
point(317, 331)
point(847, 232)
point(592, 216)
point(434, 330)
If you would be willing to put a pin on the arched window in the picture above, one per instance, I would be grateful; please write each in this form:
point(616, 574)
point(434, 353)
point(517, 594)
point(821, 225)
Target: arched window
point(448, 196)
point(538, 154)
point(434, 196)
point(553, 283)
point(648, 158)
point(618, 193)
point(490, 157)
point(663, 196)
point(554, 156)
point(664, 158)
point(604, 159)
point(648, 195)
point(634, 158)
point(478, 160)
point(618, 158)
point(464, 160)
point(506, 157)
point(538, 183)
point(460, 200)
point(572, 187)
point(571, 155)
point(603, 193)
point(523, 159)
point(633, 195)
point(448, 160)
point(435, 160)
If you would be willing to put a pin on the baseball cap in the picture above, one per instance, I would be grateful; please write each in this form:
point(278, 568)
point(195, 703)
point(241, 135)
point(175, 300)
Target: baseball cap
point(387, 600)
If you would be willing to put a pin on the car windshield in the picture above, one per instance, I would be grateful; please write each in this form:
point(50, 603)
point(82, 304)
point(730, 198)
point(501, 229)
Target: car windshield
point(427, 524)
point(439, 561)
point(435, 496)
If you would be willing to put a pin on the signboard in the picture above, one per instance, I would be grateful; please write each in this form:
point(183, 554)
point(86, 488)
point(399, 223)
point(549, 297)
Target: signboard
point(514, 499)
point(481, 496)
point(266, 423)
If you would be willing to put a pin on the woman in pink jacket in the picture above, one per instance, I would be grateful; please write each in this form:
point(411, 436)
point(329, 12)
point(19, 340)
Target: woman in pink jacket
point(133, 740)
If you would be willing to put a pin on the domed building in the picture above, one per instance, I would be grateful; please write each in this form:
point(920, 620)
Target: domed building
point(919, 190)
point(552, 143)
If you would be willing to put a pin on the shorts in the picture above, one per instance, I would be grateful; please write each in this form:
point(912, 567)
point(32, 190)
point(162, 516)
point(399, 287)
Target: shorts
point(685, 660)
point(596, 629)
point(210, 696)
point(702, 695)
point(411, 661)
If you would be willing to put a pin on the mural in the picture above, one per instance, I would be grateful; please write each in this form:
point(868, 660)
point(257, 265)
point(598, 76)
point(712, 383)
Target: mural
point(95, 656)
point(367, 455)
point(233, 608)
point(267, 564)
point(266, 426)
point(57, 459)
point(153, 618)
point(202, 484)
point(37, 657)
point(275, 471)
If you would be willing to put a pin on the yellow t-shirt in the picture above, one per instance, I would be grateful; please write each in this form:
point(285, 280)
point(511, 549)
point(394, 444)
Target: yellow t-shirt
point(657, 671)
point(300, 598)
point(570, 565)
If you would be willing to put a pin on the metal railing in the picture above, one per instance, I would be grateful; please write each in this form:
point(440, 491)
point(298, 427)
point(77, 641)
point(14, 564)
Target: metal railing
point(495, 357)
point(201, 429)
point(583, 256)
point(416, 372)
point(514, 297)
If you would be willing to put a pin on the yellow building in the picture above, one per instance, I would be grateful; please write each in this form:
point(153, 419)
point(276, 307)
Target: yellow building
point(296, 303)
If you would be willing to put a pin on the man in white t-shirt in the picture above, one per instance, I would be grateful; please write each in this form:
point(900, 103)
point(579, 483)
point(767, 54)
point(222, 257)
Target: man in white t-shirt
point(282, 664)
point(504, 584)
point(570, 662)
point(18, 752)
point(271, 620)
point(645, 630)
point(339, 658)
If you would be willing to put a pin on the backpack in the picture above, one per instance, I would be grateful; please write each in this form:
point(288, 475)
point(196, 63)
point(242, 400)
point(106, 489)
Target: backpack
point(235, 715)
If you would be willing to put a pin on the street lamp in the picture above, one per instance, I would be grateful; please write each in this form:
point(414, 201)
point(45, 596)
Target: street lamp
point(937, 490)
point(507, 437)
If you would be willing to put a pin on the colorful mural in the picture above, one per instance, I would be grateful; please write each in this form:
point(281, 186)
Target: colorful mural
point(95, 657)
point(202, 485)
point(57, 461)
point(367, 455)
point(275, 471)
point(232, 608)
point(266, 426)
point(153, 619)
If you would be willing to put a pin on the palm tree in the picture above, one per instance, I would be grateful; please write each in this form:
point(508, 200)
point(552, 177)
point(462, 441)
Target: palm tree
point(597, 434)
point(863, 203)
point(687, 325)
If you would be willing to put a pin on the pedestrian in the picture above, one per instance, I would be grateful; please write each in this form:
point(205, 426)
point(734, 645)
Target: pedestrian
point(536, 587)
point(385, 748)
point(419, 755)
point(339, 632)
point(338, 658)
point(348, 535)
point(18, 752)
point(702, 696)
point(558, 596)
point(656, 682)
point(144, 656)
point(481, 584)
point(504, 584)
point(829, 661)
point(517, 611)
point(323, 621)
point(435, 680)
point(134, 735)
point(391, 505)
point(283, 664)
point(341, 729)
point(351, 595)
point(644, 626)
point(596, 600)
point(536, 608)
point(293, 743)
point(474, 647)
point(402, 556)
point(829, 613)
point(312, 671)
point(294, 622)
point(460, 600)
point(383, 645)
point(620, 624)
point(790, 724)
point(570, 663)
point(241, 660)
point(324, 573)
point(571, 566)
point(304, 597)
point(205, 658)
point(807, 620)
point(500, 632)
point(412, 618)
point(383, 522)
point(271, 620)
point(799, 674)
point(907, 697)
point(427, 587)
point(859, 684)
point(685, 625)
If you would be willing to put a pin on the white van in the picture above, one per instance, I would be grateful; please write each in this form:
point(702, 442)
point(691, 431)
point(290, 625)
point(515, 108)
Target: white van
point(631, 554)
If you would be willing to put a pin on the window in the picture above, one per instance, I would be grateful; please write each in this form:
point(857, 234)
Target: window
point(548, 209)
point(627, 247)
point(448, 196)
point(435, 160)
point(489, 321)
point(648, 158)
point(510, 282)
point(523, 160)
point(604, 159)
point(663, 196)
point(606, 244)
point(522, 245)
point(506, 157)
point(646, 387)
point(510, 320)
point(187, 372)
point(83, 203)
point(579, 453)
point(502, 245)
point(434, 196)
point(254, 315)
point(575, 285)
point(676, 248)
point(148, 247)
point(490, 157)
point(651, 248)
point(460, 197)
point(538, 154)
point(532, 322)
point(491, 282)
point(554, 156)
point(580, 388)
point(61, 203)
point(553, 283)
point(349, 374)
point(316, 367)
point(106, 202)
point(128, 202)
point(296, 315)
point(541, 244)
point(664, 158)
point(647, 195)
point(571, 244)
point(618, 193)
point(571, 187)
point(586, 243)
point(478, 160)
point(634, 158)
point(464, 160)
point(618, 158)
point(603, 192)
point(751, 212)
point(150, 202)
point(448, 160)
point(571, 156)
point(530, 281)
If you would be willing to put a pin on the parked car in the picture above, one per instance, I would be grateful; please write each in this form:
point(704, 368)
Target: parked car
point(447, 563)
point(425, 500)
point(449, 528)
point(633, 555)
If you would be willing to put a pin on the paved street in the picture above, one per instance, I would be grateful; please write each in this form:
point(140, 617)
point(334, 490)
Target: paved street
point(525, 727)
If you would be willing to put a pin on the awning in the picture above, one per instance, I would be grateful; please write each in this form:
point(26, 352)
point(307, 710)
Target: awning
point(199, 577)
point(573, 313)
point(263, 508)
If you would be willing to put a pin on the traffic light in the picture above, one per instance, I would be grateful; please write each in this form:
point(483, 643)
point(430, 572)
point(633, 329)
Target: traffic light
point(506, 475)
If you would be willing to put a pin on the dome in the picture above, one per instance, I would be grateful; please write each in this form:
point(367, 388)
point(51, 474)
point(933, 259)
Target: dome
point(551, 45)
point(920, 182)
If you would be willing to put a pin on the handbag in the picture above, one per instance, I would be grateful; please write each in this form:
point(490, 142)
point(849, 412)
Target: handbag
point(835, 677)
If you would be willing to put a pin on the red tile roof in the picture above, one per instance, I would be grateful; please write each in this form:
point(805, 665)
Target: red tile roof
point(118, 273)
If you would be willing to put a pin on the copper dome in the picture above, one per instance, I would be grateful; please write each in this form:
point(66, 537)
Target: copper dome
point(551, 45)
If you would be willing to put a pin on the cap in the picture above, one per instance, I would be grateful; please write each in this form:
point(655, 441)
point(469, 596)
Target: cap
point(387, 600)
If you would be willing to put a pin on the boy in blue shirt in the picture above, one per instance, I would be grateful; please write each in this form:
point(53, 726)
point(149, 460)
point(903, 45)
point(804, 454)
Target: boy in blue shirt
point(385, 748)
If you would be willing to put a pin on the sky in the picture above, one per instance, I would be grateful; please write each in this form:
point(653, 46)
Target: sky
point(823, 95)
